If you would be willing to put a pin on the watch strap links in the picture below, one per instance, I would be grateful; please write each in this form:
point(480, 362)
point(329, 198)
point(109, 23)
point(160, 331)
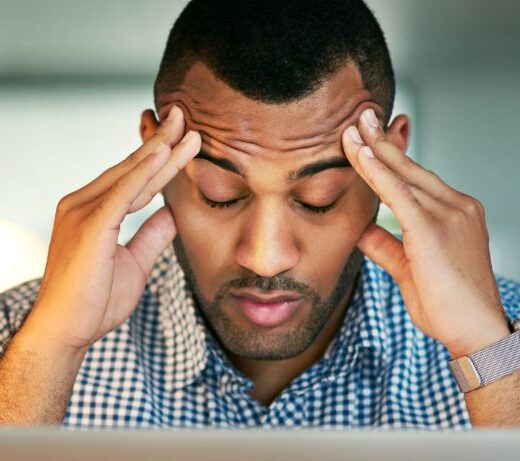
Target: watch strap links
point(488, 364)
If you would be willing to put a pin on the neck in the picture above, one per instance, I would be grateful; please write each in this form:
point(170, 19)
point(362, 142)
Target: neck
point(270, 377)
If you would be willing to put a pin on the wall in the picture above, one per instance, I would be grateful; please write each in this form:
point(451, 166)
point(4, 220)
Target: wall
point(74, 78)
point(469, 135)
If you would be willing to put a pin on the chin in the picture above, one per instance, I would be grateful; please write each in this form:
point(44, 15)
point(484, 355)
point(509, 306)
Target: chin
point(259, 343)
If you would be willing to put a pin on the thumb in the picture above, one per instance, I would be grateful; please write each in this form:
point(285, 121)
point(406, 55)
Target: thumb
point(384, 249)
point(154, 235)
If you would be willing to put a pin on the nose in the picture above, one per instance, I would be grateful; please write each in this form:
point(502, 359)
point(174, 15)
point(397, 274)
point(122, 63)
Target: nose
point(267, 244)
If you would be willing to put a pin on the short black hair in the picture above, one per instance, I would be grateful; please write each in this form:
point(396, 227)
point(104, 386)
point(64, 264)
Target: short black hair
point(278, 51)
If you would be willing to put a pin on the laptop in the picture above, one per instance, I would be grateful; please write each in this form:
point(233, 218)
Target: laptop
point(253, 445)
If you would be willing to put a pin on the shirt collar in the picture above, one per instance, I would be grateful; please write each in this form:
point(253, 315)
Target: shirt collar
point(370, 301)
point(186, 345)
point(362, 334)
point(182, 354)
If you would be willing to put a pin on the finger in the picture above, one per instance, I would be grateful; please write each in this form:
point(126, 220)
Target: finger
point(394, 192)
point(434, 206)
point(154, 235)
point(180, 156)
point(384, 249)
point(167, 135)
point(111, 208)
point(400, 163)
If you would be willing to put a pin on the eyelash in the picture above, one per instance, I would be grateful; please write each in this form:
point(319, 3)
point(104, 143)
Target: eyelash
point(307, 208)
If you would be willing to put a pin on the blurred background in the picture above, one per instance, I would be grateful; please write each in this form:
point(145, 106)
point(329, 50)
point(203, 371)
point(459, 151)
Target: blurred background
point(75, 76)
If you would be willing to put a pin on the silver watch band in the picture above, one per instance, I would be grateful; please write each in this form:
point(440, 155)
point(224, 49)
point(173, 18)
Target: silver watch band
point(488, 364)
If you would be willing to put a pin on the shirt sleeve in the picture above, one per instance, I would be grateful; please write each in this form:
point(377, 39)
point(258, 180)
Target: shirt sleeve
point(15, 304)
point(510, 295)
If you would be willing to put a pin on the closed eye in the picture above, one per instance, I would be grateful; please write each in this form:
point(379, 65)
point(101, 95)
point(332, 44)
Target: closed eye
point(317, 209)
point(214, 204)
point(308, 208)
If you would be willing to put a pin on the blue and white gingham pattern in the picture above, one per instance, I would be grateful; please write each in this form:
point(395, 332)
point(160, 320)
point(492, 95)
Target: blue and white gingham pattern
point(162, 368)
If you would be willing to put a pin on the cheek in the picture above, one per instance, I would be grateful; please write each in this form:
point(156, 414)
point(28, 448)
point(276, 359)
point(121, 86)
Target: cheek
point(361, 206)
point(356, 213)
point(329, 247)
point(207, 245)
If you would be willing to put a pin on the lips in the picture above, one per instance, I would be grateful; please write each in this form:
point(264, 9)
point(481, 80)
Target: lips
point(267, 311)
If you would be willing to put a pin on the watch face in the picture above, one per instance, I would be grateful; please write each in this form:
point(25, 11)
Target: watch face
point(465, 374)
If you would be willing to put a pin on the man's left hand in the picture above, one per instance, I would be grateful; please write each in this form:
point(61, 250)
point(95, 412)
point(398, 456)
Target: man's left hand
point(443, 265)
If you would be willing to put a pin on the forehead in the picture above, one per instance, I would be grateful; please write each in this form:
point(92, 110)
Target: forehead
point(218, 111)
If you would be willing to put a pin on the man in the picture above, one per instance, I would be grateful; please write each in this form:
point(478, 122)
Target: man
point(262, 293)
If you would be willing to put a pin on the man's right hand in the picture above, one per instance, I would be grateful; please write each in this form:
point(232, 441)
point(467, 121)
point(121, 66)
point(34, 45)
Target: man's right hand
point(91, 283)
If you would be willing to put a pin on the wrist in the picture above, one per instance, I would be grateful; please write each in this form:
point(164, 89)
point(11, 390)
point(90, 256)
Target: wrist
point(485, 337)
point(38, 375)
point(36, 336)
point(489, 363)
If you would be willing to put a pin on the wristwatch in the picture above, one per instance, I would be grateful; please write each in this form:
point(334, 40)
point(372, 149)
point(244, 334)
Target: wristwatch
point(490, 363)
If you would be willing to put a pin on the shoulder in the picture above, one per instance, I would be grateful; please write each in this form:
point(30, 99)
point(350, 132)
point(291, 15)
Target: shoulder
point(509, 291)
point(390, 296)
point(15, 304)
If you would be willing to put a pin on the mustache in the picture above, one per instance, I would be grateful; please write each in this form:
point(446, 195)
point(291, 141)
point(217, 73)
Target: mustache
point(278, 282)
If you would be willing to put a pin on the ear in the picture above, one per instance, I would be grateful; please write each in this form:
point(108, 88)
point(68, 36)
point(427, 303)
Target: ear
point(398, 132)
point(148, 125)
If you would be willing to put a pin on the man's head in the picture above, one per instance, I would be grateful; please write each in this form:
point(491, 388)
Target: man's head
point(277, 52)
point(271, 86)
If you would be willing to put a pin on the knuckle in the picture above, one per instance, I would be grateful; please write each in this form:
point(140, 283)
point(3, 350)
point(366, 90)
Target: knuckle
point(406, 162)
point(144, 169)
point(103, 203)
point(456, 217)
point(115, 191)
point(65, 204)
point(139, 201)
point(473, 207)
point(380, 141)
point(404, 191)
point(432, 174)
point(415, 203)
point(106, 199)
point(134, 157)
point(146, 197)
point(162, 133)
point(160, 146)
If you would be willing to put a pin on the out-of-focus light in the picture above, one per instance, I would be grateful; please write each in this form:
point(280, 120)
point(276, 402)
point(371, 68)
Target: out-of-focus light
point(22, 255)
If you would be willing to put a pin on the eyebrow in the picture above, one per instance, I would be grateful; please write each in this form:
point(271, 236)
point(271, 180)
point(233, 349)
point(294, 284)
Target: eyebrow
point(294, 175)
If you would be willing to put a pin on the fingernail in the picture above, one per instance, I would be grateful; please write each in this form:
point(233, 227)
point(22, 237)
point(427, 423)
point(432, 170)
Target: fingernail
point(174, 112)
point(353, 134)
point(188, 137)
point(367, 151)
point(371, 119)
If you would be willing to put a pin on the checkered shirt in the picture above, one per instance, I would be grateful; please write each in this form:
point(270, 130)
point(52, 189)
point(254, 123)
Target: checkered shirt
point(163, 368)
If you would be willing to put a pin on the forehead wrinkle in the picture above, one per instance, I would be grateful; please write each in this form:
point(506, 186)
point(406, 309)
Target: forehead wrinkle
point(198, 123)
point(323, 142)
point(200, 109)
point(251, 149)
point(223, 146)
point(322, 132)
point(239, 133)
point(181, 98)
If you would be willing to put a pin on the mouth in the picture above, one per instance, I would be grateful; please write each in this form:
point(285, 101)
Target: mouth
point(267, 311)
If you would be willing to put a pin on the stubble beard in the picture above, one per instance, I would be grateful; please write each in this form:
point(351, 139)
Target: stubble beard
point(261, 345)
